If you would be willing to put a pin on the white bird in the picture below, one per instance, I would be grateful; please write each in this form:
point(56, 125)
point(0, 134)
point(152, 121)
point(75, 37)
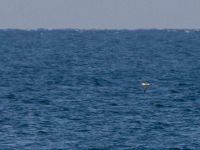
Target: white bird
point(145, 86)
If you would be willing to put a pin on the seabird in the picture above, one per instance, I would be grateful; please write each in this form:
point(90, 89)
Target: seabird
point(145, 86)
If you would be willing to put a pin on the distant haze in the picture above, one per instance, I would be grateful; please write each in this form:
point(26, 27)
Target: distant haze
point(99, 14)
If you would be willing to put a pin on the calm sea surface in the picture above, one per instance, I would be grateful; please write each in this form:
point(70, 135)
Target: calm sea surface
point(81, 90)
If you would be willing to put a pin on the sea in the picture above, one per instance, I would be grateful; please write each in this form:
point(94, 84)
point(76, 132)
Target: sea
point(81, 89)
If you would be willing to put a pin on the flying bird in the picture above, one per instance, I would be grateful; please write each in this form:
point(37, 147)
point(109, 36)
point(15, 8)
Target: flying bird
point(145, 86)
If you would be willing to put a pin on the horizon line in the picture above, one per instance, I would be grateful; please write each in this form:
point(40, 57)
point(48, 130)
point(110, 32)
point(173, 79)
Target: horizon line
point(99, 29)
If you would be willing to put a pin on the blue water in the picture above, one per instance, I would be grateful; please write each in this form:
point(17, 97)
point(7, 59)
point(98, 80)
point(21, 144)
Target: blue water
point(81, 90)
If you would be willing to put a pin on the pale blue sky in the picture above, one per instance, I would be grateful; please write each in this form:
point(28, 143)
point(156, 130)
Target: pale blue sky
point(99, 14)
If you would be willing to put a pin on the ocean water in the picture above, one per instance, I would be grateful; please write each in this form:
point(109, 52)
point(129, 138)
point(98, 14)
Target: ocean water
point(81, 90)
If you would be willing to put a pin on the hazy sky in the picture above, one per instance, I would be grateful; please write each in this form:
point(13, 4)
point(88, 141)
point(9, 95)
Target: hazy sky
point(100, 14)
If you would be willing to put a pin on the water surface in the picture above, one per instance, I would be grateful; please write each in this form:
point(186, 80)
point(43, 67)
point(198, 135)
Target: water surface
point(75, 89)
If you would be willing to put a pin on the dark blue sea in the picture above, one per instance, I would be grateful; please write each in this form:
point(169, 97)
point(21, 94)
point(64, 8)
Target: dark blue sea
point(81, 89)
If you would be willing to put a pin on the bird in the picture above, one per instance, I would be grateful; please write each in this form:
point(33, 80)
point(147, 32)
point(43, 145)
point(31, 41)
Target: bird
point(145, 86)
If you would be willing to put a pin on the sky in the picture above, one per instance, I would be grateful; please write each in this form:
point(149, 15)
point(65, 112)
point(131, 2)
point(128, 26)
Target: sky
point(100, 14)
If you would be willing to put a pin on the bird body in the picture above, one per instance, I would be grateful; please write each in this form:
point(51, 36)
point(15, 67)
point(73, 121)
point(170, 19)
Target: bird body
point(145, 86)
